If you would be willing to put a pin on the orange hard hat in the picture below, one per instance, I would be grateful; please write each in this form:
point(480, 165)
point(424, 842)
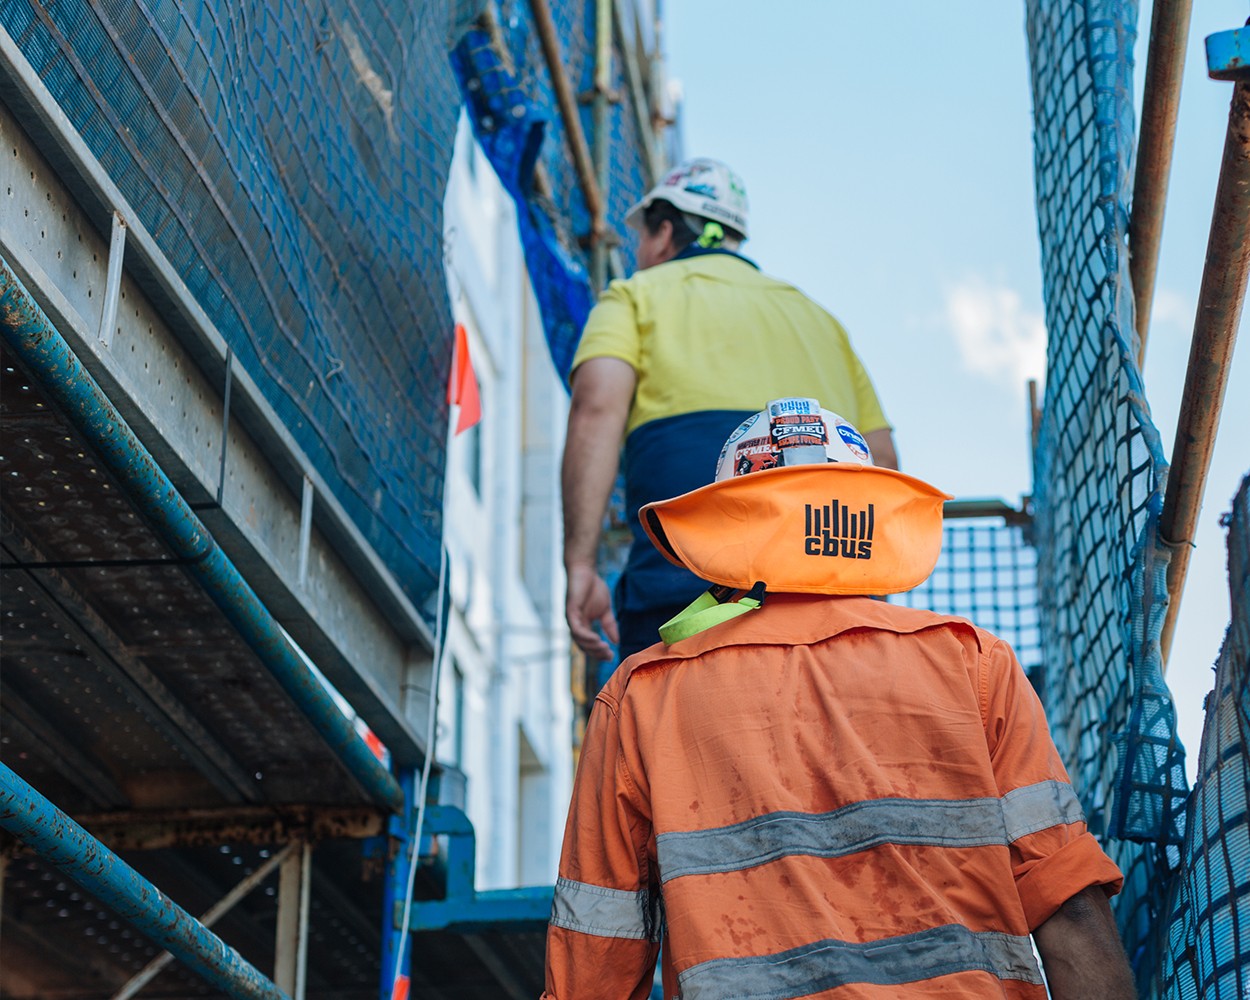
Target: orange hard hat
point(799, 507)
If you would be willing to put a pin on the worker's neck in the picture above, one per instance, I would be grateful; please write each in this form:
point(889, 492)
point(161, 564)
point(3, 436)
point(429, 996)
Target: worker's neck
point(694, 250)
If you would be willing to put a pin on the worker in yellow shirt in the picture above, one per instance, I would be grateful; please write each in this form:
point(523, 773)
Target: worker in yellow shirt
point(670, 361)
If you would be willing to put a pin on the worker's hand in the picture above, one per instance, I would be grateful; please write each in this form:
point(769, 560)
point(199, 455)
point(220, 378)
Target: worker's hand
point(588, 603)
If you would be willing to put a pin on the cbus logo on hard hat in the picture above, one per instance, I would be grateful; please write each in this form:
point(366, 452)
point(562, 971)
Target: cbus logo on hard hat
point(833, 529)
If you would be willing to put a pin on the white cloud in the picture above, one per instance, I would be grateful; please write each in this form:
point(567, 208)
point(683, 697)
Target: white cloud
point(997, 337)
point(1174, 310)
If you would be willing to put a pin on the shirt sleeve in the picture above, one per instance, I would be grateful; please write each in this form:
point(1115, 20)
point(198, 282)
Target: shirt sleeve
point(1053, 855)
point(872, 417)
point(605, 927)
point(611, 330)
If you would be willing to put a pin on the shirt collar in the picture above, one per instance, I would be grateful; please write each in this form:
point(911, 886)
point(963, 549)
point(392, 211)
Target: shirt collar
point(694, 250)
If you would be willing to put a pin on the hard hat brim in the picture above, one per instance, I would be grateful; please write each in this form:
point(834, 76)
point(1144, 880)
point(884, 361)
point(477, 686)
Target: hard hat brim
point(775, 526)
point(633, 218)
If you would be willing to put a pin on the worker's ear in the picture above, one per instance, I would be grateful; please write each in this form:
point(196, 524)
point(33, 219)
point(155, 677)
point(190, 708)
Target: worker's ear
point(669, 249)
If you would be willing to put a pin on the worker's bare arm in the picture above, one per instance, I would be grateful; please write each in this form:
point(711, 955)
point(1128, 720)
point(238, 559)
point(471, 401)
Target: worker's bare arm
point(881, 443)
point(603, 389)
point(1081, 951)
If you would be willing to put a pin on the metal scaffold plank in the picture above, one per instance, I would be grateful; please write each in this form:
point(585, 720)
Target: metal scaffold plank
point(63, 843)
point(33, 338)
point(165, 368)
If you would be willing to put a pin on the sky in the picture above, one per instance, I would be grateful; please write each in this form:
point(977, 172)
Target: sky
point(887, 152)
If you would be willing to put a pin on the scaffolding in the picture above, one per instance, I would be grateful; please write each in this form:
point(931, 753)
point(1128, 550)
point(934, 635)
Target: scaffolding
point(221, 480)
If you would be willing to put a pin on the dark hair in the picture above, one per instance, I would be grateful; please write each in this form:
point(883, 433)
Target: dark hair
point(665, 211)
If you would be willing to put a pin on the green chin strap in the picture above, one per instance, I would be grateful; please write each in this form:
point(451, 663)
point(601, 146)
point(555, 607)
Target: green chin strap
point(712, 236)
point(710, 609)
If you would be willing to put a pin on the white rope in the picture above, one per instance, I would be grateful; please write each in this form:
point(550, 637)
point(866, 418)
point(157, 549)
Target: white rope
point(423, 786)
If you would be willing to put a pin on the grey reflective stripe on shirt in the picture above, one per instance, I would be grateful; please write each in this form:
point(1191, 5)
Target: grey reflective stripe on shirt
point(826, 965)
point(1036, 807)
point(862, 825)
point(594, 909)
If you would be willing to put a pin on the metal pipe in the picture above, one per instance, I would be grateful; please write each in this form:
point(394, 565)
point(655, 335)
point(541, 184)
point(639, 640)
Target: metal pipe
point(113, 280)
point(574, 135)
point(32, 336)
point(1035, 418)
point(625, 38)
point(601, 110)
point(958, 509)
point(305, 528)
point(63, 843)
point(290, 958)
point(396, 966)
point(1165, 65)
point(656, 88)
point(1210, 355)
point(210, 917)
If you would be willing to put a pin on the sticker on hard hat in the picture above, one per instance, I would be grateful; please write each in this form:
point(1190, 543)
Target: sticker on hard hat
point(793, 404)
point(741, 429)
point(797, 430)
point(695, 168)
point(855, 441)
point(834, 530)
point(754, 455)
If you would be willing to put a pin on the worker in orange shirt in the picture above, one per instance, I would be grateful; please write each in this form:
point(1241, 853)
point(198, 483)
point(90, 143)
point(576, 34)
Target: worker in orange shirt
point(805, 792)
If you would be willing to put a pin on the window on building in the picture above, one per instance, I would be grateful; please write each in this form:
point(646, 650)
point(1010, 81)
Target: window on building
point(472, 439)
point(534, 860)
point(451, 729)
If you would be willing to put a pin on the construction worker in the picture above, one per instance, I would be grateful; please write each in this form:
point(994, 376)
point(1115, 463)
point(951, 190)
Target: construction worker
point(806, 792)
point(669, 362)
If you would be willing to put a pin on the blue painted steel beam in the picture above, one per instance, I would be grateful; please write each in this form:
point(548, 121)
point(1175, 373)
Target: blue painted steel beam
point(506, 910)
point(464, 910)
point(394, 886)
point(62, 376)
point(1228, 54)
point(60, 841)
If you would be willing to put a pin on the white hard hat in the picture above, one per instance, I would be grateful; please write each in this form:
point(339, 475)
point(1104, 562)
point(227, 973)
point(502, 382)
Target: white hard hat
point(702, 187)
point(791, 431)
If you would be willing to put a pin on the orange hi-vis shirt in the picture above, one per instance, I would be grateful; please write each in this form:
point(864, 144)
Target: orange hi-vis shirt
point(830, 797)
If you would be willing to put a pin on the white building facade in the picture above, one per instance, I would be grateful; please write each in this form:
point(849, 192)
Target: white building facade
point(506, 708)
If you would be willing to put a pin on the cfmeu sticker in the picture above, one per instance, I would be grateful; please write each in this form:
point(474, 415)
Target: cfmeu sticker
point(855, 441)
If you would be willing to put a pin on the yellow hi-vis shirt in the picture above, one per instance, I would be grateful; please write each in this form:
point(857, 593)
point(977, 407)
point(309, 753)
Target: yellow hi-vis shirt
point(711, 332)
point(711, 340)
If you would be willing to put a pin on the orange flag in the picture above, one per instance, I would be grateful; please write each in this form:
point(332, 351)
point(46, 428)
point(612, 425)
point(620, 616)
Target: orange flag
point(462, 385)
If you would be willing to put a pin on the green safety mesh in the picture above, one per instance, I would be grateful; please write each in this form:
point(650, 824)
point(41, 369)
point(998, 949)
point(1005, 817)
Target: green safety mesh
point(289, 159)
point(987, 573)
point(1208, 943)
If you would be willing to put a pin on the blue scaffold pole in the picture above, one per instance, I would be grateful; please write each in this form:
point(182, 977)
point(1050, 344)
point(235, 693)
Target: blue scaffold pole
point(395, 945)
point(61, 842)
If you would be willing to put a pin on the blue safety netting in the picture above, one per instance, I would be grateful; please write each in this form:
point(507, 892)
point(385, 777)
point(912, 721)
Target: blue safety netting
point(290, 159)
point(1099, 468)
point(511, 99)
point(987, 572)
point(1208, 942)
